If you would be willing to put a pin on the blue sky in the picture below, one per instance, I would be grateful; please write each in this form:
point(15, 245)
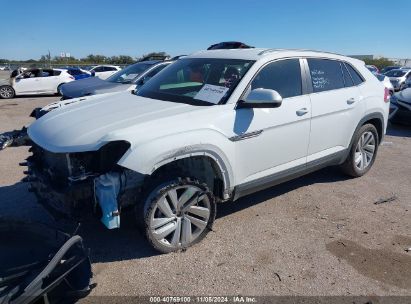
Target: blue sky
point(132, 27)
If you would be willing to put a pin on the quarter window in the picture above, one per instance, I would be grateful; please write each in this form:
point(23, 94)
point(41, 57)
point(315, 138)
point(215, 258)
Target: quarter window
point(347, 78)
point(283, 76)
point(325, 74)
point(354, 74)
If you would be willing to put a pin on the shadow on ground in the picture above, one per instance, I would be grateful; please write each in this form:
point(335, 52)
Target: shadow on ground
point(128, 242)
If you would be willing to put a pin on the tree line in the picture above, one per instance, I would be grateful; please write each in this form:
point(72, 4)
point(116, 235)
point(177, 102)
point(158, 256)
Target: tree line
point(89, 59)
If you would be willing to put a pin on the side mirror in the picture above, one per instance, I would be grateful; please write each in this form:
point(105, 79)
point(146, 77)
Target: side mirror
point(93, 73)
point(261, 98)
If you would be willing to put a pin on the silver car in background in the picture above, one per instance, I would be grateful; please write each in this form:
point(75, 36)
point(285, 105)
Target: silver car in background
point(398, 78)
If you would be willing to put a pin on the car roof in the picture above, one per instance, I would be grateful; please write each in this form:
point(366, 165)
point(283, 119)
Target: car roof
point(261, 53)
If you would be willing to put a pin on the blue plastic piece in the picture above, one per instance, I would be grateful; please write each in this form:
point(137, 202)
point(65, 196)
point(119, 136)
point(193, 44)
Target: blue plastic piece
point(106, 189)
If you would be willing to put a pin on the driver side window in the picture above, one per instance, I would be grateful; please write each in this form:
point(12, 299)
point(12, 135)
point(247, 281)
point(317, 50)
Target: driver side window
point(283, 76)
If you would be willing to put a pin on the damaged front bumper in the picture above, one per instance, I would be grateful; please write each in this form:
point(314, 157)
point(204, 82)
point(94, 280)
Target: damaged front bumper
point(72, 185)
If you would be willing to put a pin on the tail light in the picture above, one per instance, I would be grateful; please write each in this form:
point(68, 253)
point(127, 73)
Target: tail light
point(387, 95)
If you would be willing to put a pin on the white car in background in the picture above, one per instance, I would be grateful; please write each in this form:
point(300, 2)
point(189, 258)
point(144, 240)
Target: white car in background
point(104, 71)
point(34, 82)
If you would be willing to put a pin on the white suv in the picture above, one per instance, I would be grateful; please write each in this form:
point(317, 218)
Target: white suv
point(211, 127)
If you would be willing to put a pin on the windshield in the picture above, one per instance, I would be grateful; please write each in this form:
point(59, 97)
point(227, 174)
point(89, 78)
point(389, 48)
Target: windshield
point(130, 73)
point(197, 81)
point(395, 73)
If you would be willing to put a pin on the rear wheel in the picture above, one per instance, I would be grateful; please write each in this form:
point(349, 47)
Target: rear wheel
point(177, 214)
point(363, 151)
point(6, 92)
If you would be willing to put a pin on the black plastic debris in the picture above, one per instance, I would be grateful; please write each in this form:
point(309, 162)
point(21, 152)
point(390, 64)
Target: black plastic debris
point(14, 138)
point(39, 264)
point(386, 200)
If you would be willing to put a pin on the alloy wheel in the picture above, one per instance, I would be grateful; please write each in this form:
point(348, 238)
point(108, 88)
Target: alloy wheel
point(364, 151)
point(6, 92)
point(180, 216)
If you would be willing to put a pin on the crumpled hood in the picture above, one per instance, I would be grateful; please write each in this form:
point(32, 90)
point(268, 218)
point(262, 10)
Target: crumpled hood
point(86, 126)
point(90, 86)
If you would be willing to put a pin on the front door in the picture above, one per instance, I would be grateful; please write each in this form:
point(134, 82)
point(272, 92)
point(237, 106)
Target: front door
point(272, 140)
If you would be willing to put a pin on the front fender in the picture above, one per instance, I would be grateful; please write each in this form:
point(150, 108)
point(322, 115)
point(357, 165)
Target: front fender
point(146, 157)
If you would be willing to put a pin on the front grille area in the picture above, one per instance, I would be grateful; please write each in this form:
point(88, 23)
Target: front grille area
point(63, 182)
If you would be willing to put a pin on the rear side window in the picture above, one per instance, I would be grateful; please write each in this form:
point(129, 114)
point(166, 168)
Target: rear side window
point(326, 74)
point(283, 76)
point(56, 73)
point(354, 74)
point(347, 78)
point(110, 69)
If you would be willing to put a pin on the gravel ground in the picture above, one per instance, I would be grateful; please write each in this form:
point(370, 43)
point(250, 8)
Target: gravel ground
point(321, 234)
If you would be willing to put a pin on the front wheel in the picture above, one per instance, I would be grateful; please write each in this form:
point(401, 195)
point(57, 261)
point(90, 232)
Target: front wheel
point(177, 214)
point(6, 92)
point(363, 151)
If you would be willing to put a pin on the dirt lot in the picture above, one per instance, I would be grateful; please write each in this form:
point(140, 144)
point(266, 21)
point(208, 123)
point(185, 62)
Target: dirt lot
point(321, 234)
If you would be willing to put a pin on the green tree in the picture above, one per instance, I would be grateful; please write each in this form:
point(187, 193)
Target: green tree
point(380, 63)
point(154, 56)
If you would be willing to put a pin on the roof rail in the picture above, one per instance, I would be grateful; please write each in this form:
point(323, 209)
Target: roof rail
point(304, 50)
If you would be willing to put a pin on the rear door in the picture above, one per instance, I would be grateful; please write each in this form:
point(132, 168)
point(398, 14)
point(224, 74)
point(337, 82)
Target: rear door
point(50, 80)
point(337, 106)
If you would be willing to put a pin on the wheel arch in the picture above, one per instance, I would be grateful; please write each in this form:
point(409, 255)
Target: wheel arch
point(377, 120)
point(194, 161)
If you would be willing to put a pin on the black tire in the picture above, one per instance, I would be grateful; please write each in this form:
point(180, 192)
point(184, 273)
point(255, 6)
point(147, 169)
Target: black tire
point(7, 92)
point(349, 167)
point(156, 189)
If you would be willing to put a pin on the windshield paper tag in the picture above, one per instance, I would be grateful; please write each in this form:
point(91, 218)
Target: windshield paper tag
point(211, 93)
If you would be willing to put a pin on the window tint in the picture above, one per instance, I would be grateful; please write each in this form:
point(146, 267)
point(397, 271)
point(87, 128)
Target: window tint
point(347, 78)
point(354, 74)
point(99, 69)
point(109, 69)
point(325, 74)
point(46, 73)
point(283, 76)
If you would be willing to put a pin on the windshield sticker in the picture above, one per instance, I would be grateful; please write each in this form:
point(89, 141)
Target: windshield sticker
point(211, 93)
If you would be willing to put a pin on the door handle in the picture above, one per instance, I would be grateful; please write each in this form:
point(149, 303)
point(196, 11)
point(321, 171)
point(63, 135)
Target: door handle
point(302, 111)
point(351, 101)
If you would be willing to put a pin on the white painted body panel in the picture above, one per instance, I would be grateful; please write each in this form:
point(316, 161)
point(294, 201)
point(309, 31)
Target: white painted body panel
point(160, 131)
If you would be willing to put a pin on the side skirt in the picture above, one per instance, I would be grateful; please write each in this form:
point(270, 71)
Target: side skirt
point(284, 176)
